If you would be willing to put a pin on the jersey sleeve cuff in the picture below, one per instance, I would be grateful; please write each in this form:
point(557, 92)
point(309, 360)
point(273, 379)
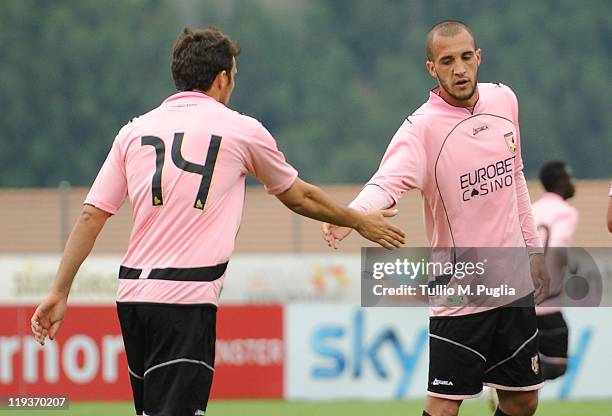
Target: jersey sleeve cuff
point(101, 205)
point(535, 250)
point(372, 197)
point(279, 189)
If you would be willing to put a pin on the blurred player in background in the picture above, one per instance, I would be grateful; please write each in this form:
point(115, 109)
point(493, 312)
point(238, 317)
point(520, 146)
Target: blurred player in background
point(556, 221)
point(461, 149)
point(183, 166)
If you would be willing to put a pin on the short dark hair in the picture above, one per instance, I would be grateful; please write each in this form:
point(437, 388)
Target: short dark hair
point(199, 55)
point(552, 173)
point(446, 28)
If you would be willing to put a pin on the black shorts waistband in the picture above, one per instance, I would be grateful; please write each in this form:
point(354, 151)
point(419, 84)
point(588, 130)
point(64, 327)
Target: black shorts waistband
point(190, 274)
point(161, 305)
point(526, 301)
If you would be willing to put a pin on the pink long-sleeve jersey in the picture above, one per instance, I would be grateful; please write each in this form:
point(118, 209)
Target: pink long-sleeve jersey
point(183, 166)
point(468, 166)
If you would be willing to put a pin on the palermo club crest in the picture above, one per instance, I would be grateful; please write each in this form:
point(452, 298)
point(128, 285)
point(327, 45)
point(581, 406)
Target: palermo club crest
point(535, 364)
point(510, 141)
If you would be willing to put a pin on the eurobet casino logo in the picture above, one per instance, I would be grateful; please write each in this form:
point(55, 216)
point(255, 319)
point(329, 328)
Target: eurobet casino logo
point(488, 179)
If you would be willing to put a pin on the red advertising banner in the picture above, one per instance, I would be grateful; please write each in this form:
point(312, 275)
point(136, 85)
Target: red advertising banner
point(87, 361)
point(250, 352)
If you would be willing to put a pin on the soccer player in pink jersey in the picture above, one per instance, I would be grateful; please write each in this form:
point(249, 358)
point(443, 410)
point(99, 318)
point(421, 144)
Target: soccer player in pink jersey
point(183, 166)
point(462, 150)
point(556, 221)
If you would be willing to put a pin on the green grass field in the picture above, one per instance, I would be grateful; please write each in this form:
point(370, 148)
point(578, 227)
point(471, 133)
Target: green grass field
point(354, 408)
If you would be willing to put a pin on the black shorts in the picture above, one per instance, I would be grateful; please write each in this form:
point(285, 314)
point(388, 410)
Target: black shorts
point(553, 334)
point(496, 348)
point(170, 352)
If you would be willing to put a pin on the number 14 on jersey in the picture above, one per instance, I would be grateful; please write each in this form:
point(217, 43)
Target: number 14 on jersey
point(206, 170)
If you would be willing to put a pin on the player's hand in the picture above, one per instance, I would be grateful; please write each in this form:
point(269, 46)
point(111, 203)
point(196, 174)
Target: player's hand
point(48, 317)
point(539, 274)
point(376, 228)
point(334, 234)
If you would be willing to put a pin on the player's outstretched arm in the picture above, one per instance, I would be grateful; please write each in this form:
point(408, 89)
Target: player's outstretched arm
point(310, 201)
point(49, 315)
point(370, 198)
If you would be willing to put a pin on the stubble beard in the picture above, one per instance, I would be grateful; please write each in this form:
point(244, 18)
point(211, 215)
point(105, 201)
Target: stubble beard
point(465, 96)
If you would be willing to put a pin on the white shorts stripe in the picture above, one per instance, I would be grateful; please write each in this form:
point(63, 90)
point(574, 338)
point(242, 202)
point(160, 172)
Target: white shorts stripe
point(134, 374)
point(178, 360)
point(459, 345)
point(535, 334)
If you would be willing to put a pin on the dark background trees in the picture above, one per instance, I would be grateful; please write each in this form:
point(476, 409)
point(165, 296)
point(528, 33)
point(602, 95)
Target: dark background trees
point(332, 80)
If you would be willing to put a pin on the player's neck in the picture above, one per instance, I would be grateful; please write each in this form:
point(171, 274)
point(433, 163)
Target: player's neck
point(561, 194)
point(468, 104)
point(212, 93)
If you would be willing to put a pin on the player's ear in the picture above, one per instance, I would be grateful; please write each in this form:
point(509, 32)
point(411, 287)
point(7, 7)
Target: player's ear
point(478, 55)
point(224, 78)
point(431, 69)
point(220, 80)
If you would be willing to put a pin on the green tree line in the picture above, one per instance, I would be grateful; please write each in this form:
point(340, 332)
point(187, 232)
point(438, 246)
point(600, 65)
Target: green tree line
point(332, 80)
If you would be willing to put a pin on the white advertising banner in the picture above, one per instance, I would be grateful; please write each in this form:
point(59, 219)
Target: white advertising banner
point(26, 279)
point(288, 278)
point(249, 279)
point(347, 352)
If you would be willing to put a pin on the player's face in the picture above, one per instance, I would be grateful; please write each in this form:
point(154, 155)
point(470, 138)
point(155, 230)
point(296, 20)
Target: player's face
point(455, 64)
point(229, 84)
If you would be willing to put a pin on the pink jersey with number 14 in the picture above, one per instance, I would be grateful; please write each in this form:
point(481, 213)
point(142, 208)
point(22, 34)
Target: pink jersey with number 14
point(183, 166)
